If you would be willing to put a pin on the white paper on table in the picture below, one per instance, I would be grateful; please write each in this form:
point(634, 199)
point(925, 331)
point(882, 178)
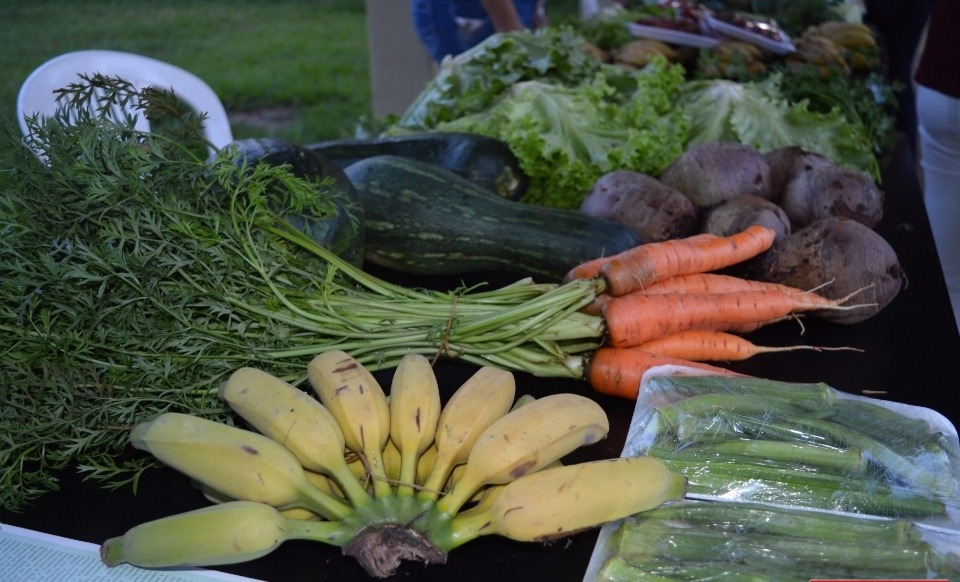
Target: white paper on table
point(31, 556)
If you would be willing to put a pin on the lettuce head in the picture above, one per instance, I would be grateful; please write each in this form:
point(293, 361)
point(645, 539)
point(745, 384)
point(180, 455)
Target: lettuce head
point(567, 136)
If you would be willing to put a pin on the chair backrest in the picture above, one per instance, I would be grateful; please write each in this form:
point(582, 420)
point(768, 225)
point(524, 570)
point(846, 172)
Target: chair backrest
point(37, 92)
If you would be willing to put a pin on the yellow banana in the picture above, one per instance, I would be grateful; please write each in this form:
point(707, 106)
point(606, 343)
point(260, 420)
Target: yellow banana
point(414, 414)
point(238, 463)
point(560, 501)
point(356, 400)
point(523, 401)
point(485, 397)
point(842, 33)
point(526, 440)
point(292, 512)
point(425, 463)
point(229, 533)
point(296, 420)
point(483, 499)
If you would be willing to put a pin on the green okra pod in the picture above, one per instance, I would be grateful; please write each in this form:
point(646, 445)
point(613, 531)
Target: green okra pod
point(638, 543)
point(768, 519)
point(844, 461)
point(790, 486)
point(900, 467)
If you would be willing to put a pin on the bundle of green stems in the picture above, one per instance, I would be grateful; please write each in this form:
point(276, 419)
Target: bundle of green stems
point(138, 273)
point(733, 541)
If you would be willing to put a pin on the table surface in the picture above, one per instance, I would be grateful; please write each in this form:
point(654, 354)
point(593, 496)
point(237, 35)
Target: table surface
point(911, 355)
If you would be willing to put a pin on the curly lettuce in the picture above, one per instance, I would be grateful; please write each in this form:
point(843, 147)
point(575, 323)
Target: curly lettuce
point(758, 114)
point(476, 78)
point(567, 137)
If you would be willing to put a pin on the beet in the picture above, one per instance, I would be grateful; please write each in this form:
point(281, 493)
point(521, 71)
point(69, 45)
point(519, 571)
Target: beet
point(653, 210)
point(711, 172)
point(835, 257)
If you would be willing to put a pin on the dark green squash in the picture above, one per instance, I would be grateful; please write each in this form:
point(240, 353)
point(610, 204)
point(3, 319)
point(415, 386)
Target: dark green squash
point(486, 161)
point(344, 233)
point(424, 219)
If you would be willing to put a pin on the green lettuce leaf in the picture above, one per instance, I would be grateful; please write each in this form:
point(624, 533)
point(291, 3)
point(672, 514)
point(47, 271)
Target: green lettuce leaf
point(474, 79)
point(757, 114)
point(566, 137)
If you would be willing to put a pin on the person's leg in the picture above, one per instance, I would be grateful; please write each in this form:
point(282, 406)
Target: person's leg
point(437, 28)
point(939, 128)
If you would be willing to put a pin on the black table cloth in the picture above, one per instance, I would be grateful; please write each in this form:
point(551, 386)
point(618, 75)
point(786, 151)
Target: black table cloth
point(911, 355)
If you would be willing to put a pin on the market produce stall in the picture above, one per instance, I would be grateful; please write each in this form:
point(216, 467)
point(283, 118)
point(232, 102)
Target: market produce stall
point(153, 302)
point(909, 356)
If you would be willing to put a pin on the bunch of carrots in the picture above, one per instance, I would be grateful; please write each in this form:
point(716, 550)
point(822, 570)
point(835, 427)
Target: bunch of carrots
point(664, 303)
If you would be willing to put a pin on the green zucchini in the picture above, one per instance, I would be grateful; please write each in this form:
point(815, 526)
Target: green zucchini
point(484, 160)
point(344, 232)
point(424, 219)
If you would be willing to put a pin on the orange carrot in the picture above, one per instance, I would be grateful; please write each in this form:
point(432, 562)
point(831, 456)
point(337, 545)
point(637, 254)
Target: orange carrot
point(714, 346)
point(711, 283)
point(695, 283)
point(595, 307)
point(591, 269)
point(587, 270)
point(635, 269)
point(637, 318)
point(617, 372)
point(745, 327)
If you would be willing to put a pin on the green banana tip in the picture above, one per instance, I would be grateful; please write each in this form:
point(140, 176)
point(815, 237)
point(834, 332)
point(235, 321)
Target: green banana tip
point(111, 552)
point(137, 434)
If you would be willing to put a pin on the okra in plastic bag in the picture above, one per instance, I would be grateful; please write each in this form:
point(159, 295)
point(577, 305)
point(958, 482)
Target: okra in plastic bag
point(787, 482)
point(807, 445)
point(715, 540)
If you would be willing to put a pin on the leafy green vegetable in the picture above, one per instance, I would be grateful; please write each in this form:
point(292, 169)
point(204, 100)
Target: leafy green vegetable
point(137, 275)
point(566, 137)
point(758, 114)
point(474, 79)
point(869, 103)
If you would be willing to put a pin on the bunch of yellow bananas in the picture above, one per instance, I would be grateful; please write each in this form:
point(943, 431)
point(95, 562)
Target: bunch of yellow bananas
point(840, 44)
point(355, 467)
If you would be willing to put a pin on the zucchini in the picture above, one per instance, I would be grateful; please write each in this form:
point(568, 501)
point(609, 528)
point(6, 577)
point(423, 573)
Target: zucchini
point(424, 219)
point(344, 232)
point(486, 161)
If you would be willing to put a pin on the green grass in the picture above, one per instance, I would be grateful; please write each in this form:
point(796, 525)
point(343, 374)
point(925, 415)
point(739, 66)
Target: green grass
point(305, 58)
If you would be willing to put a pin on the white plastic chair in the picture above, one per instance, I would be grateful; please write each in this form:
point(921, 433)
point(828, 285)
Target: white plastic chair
point(37, 92)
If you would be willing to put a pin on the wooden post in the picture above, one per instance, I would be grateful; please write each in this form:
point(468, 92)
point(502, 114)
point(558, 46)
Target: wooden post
point(400, 66)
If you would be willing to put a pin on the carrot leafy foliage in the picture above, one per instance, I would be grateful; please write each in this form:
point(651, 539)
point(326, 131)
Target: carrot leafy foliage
point(138, 273)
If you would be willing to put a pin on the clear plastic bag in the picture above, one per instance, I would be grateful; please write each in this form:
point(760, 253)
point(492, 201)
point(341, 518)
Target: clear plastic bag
point(802, 453)
point(734, 540)
point(806, 445)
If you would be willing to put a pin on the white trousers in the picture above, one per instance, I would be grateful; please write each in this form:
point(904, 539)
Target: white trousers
point(938, 116)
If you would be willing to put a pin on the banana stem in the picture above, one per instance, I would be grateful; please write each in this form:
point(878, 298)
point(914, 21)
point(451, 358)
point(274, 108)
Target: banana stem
point(470, 526)
point(408, 473)
point(373, 462)
point(332, 533)
point(350, 485)
point(324, 505)
point(433, 485)
point(455, 498)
